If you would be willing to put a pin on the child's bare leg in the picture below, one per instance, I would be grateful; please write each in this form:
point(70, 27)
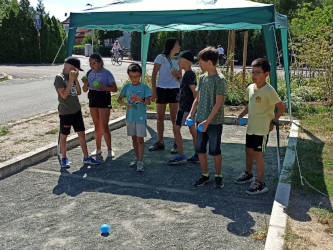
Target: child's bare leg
point(141, 148)
point(249, 159)
point(63, 145)
point(193, 132)
point(203, 163)
point(178, 139)
point(135, 146)
point(258, 156)
point(218, 163)
point(83, 144)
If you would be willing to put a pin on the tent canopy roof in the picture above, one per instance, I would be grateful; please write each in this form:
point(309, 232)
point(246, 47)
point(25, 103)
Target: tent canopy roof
point(172, 15)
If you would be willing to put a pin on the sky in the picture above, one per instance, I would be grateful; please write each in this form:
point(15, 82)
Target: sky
point(58, 8)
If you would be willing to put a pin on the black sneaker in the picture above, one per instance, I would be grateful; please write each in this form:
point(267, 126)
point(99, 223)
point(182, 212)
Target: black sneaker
point(244, 178)
point(257, 187)
point(202, 181)
point(157, 146)
point(219, 182)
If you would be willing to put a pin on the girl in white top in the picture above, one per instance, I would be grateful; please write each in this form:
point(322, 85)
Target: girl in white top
point(166, 91)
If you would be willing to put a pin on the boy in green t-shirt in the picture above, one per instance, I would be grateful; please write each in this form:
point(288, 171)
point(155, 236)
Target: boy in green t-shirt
point(263, 99)
point(209, 106)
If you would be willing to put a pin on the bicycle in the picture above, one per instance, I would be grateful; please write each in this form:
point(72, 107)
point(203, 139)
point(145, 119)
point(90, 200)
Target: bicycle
point(116, 58)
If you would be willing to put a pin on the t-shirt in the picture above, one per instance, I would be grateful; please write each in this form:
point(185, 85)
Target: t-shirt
point(261, 108)
point(186, 94)
point(103, 76)
point(209, 87)
point(71, 104)
point(165, 79)
point(137, 113)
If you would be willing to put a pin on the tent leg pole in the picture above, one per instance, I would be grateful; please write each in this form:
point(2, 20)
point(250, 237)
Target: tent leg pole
point(246, 37)
point(228, 52)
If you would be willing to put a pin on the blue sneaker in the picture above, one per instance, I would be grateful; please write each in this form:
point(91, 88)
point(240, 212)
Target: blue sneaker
point(65, 163)
point(194, 159)
point(90, 161)
point(178, 159)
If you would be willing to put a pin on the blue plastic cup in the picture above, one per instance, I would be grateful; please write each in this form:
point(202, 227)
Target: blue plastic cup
point(189, 122)
point(105, 229)
point(242, 121)
point(200, 128)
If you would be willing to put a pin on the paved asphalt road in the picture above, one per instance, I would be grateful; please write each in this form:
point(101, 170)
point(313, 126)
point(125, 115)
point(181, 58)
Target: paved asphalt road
point(31, 90)
point(45, 208)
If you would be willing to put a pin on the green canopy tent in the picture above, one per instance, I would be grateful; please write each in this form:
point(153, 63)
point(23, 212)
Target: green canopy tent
point(149, 16)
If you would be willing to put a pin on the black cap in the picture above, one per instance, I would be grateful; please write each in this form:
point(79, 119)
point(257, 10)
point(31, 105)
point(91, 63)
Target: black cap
point(187, 55)
point(74, 61)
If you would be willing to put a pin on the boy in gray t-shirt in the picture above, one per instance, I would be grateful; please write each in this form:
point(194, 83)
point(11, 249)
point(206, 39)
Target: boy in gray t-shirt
point(209, 105)
point(68, 89)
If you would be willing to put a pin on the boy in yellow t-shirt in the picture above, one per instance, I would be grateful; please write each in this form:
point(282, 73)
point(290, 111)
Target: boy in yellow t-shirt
point(263, 99)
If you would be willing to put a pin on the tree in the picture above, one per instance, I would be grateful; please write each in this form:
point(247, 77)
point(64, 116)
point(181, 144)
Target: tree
point(108, 34)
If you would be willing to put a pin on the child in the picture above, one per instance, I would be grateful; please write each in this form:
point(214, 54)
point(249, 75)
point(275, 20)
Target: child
point(100, 83)
point(138, 96)
point(187, 96)
point(263, 99)
point(68, 89)
point(209, 105)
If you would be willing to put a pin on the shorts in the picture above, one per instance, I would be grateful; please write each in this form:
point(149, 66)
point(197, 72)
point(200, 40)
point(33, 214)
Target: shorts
point(165, 96)
point(67, 121)
point(257, 142)
point(99, 99)
point(212, 135)
point(136, 129)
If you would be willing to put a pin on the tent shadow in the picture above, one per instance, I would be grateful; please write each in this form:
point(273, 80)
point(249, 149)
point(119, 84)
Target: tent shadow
point(304, 197)
point(175, 183)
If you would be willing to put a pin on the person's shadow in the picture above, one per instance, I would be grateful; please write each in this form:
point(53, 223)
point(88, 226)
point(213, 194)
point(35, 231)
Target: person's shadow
point(175, 183)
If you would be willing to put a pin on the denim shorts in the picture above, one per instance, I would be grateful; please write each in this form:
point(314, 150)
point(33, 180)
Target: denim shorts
point(212, 135)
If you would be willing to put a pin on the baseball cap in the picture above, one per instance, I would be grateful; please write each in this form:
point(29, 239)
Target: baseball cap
point(187, 55)
point(74, 61)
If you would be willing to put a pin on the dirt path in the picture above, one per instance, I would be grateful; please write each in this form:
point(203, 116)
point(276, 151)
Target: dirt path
point(22, 137)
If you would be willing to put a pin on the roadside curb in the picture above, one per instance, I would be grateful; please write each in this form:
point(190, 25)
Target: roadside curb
point(278, 220)
point(18, 163)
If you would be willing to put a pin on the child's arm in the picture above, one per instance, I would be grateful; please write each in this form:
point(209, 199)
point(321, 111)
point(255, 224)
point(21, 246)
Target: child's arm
point(64, 92)
point(147, 100)
point(111, 88)
point(122, 103)
point(216, 108)
point(194, 92)
point(280, 109)
point(194, 108)
point(85, 85)
point(78, 87)
point(244, 112)
point(153, 80)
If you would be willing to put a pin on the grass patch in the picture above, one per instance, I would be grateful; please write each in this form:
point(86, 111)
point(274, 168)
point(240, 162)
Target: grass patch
point(23, 141)
point(289, 235)
point(261, 234)
point(324, 216)
point(315, 150)
point(3, 131)
point(52, 131)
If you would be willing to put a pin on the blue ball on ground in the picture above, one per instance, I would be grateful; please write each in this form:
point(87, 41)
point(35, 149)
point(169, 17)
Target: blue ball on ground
point(105, 229)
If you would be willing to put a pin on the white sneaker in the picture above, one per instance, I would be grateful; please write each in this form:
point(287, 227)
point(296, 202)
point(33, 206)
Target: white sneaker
point(139, 166)
point(95, 152)
point(111, 154)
